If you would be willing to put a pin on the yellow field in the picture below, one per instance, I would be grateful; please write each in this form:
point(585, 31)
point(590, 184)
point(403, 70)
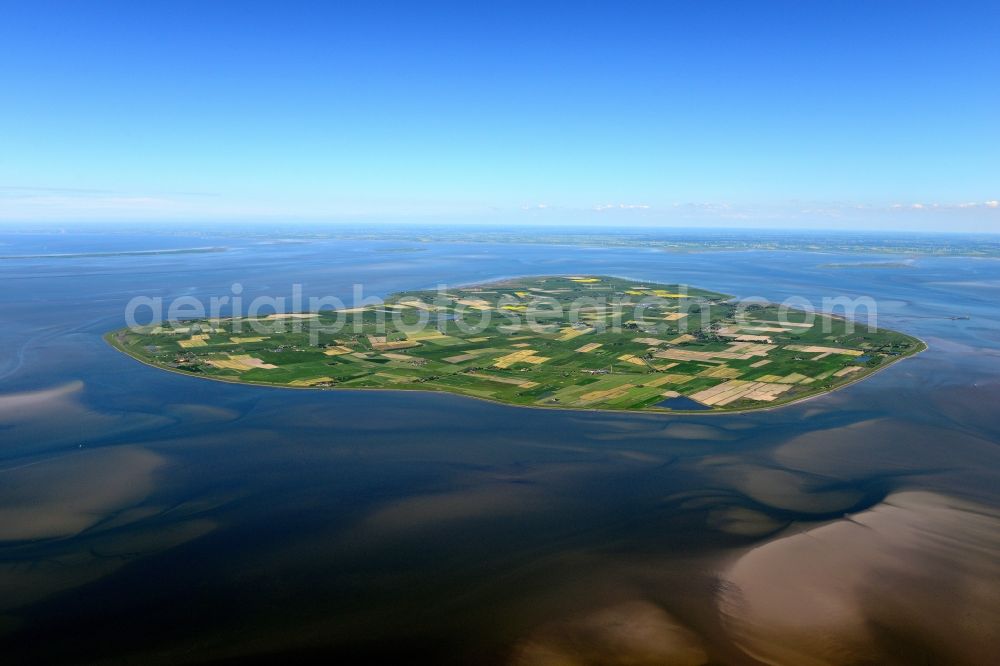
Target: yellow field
point(765, 329)
point(426, 335)
point(735, 351)
point(399, 344)
point(338, 350)
point(661, 380)
point(793, 378)
point(770, 378)
point(240, 363)
point(503, 380)
point(570, 333)
point(753, 338)
point(459, 358)
point(475, 303)
point(250, 339)
point(750, 347)
point(395, 379)
point(810, 349)
point(590, 347)
point(399, 357)
point(194, 341)
point(676, 378)
point(721, 372)
point(786, 324)
point(522, 356)
point(420, 305)
point(607, 394)
point(685, 355)
point(736, 389)
point(311, 382)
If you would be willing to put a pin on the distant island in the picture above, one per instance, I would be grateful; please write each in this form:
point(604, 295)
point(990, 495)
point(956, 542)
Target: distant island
point(580, 342)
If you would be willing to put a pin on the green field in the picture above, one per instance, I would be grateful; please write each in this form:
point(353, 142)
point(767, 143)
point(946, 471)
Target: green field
point(583, 342)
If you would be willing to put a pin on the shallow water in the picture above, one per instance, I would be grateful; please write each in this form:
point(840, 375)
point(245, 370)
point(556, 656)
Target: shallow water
point(150, 516)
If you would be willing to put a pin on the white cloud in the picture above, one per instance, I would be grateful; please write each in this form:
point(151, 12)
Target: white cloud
point(965, 205)
point(621, 206)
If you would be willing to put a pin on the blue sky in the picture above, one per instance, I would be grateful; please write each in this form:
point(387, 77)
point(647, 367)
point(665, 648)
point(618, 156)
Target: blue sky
point(802, 114)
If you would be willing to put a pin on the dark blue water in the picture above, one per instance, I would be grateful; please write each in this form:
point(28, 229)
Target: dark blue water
point(158, 518)
point(682, 403)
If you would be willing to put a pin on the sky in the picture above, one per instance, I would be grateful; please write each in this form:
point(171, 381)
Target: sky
point(805, 114)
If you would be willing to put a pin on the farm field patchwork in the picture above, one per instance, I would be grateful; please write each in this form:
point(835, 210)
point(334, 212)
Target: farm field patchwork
point(586, 342)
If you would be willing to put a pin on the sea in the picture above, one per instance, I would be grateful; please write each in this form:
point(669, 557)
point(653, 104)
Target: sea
point(148, 517)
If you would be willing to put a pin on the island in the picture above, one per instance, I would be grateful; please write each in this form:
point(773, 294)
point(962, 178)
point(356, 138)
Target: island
point(570, 342)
